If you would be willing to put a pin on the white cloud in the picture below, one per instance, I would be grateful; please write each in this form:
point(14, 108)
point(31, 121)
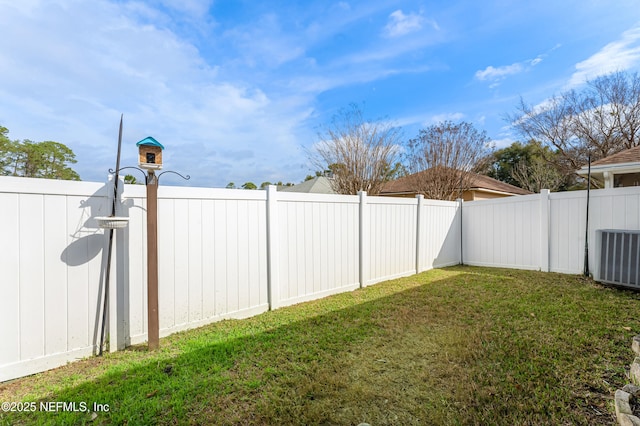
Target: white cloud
point(190, 7)
point(265, 42)
point(491, 73)
point(341, 76)
point(502, 143)
point(535, 61)
point(400, 24)
point(495, 75)
point(619, 55)
point(70, 69)
point(438, 118)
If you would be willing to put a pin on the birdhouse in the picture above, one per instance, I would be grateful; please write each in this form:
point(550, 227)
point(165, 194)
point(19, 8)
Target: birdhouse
point(150, 153)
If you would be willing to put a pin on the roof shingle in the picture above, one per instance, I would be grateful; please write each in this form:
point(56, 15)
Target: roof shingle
point(478, 182)
point(631, 155)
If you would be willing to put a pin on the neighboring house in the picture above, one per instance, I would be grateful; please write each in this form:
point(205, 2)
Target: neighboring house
point(317, 185)
point(482, 188)
point(621, 169)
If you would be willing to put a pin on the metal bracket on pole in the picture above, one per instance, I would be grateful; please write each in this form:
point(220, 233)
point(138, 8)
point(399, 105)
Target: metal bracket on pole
point(187, 177)
point(130, 167)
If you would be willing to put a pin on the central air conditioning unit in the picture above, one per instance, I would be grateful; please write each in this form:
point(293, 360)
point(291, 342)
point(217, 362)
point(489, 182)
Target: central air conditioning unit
point(619, 261)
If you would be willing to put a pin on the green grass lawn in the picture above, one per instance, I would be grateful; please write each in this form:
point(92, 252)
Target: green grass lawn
point(460, 345)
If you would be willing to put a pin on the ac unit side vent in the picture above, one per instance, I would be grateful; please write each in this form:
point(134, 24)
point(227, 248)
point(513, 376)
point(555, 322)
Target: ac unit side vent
point(620, 258)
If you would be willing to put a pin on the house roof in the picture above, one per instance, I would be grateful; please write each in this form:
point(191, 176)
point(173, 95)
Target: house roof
point(623, 162)
point(631, 155)
point(149, 141)
point(317, 185)
point(486, 182)
point(478, 182)
point(399, 186)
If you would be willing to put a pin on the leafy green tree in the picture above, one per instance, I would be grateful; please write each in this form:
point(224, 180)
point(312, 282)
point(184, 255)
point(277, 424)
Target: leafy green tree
point(231, 185)
point(264, 185)
point(327, 172)
point(26, 158)
point(7, 150)
point(537, 175)
point(504, 160)
point(130, 179)
point(249, 185)
point(532, 166)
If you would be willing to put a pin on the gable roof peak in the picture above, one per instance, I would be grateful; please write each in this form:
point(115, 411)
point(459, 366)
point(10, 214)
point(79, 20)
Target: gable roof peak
point(149, 141)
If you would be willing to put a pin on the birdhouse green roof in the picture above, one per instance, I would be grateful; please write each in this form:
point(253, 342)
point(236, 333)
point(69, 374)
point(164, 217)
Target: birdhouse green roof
point(149, 141)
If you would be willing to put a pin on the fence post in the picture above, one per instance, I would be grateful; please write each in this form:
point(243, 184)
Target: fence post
point(544, 230)
point(363, 257)
point(118, 288)
point(419, 231)
point(273, 271)
point(460, 207)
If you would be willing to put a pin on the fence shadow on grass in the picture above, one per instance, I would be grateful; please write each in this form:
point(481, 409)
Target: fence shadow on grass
point(409, 351)
point(275, 359)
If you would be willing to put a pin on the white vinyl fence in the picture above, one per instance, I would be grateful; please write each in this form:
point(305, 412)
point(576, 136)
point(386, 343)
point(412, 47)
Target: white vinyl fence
point(505, 232)
point(222, 254)
point(227, 253)
point(51, 266)
point(545, 231)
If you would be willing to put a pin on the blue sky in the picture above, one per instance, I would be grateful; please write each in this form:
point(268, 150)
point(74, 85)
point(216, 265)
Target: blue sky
point(236, 90)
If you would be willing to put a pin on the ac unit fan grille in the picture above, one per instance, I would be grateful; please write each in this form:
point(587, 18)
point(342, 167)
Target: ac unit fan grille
point(620, 258)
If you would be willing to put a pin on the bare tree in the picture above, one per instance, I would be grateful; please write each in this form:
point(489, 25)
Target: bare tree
point(549, 123)
point(619, 93)
point(443, 157)
point(361, 154)
point(601, 119)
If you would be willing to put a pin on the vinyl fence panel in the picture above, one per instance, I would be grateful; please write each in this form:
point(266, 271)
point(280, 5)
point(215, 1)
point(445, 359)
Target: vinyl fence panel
point(392, 237)
point(51, 260)
point(545, 231)
point(504, 232)
point(614, 208)
point(212, 258)
point(567, 231)
point(439, 239)
point(318, 245)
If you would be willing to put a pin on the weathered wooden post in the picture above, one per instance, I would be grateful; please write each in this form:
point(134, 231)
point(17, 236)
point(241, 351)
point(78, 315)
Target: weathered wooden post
point(153, 322)
point(151, 160)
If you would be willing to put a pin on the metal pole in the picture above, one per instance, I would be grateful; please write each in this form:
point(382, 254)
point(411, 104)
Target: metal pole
point(113, 213)
point(153, 328)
